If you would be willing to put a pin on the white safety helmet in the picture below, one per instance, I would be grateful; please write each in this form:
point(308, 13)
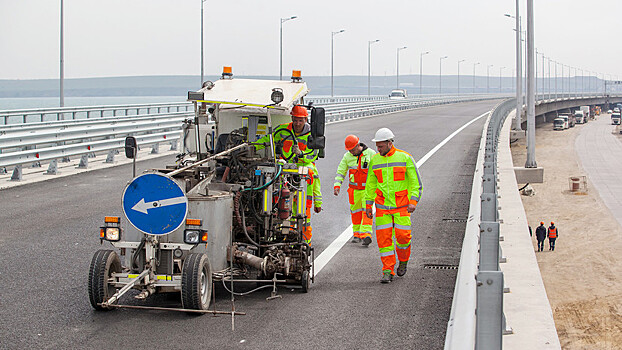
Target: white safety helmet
point(383, 134)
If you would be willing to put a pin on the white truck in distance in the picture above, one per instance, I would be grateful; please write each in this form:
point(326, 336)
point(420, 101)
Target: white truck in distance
point(586, 112)
point(615, 118)
point(580, 117)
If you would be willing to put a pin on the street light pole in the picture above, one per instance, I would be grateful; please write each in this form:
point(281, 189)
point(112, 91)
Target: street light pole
point(535, 69)
point(562, 80)
point(519, 68)
point(440, 74)
point(202, 71)
point(582, 84)
point(549, 81)
point(555, 63)
point(332, 39)
point(421, 69)
point(531, 98)
point(576, 91)
point(460, 61)
point(398, 66)
point(488, 78)
point(500, 70)
point(369, 65)
point(283, 20)
point(474, 64)
point(62, 60)
point(542, 78)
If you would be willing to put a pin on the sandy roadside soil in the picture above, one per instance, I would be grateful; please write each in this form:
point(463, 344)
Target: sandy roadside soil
point(583, 276)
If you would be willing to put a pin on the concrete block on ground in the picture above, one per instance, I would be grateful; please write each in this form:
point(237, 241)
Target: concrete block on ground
point(518, 134)
point(529, 175)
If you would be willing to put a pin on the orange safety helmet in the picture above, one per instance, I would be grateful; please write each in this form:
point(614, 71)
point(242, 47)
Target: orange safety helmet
point(541, 222)
point(351, 142)
point(552, 223)
point(299, 111)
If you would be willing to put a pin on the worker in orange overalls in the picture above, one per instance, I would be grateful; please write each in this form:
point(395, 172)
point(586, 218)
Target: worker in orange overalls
point(552, 234)
point(354, 165)
point(393, 184)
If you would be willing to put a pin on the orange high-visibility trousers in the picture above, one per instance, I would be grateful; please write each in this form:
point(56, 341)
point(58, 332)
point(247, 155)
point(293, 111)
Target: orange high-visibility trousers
point(361, 224)
point(307, 231)
point(393, 223)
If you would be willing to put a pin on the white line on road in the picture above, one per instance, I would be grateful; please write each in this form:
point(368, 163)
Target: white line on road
point(327, 254)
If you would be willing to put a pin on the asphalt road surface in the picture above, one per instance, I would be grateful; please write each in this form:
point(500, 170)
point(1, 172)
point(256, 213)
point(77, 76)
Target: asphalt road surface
point(49, 232)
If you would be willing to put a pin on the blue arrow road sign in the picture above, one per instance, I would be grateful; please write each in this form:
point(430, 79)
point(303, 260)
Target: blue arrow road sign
point(155, 204)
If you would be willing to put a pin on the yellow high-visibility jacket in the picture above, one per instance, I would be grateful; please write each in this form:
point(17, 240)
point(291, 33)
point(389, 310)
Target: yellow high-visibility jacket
point(393, 181)
point(317, 187)
point(354, 168)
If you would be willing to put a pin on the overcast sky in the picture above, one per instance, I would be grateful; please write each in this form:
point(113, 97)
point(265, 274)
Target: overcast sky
point(162, 37)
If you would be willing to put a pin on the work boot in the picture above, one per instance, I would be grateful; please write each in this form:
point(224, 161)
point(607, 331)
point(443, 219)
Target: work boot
point(386, 277)
point(366, 241)
point(401, 269)
point(356, 240)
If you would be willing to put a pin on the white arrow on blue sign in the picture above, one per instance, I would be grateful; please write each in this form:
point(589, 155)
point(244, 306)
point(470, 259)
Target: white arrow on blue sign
point(155, 204)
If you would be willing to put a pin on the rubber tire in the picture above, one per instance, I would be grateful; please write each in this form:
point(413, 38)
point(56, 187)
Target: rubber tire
point(305, 281)
point(103, 265)
point(196, 282)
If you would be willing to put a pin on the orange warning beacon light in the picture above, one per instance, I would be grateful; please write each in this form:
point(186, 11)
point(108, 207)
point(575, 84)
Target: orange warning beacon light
point(296, 76)
point(227, 72)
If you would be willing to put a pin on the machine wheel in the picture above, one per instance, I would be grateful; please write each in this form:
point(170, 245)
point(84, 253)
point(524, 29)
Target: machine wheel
point(103, 265)
point(196, 282)
point(305, 281)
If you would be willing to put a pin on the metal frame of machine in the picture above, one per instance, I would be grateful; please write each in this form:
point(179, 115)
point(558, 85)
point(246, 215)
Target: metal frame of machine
point(230, 209)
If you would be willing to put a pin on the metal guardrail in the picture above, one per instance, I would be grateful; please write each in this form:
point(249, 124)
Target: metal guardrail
point(51, 141)
point(72, 113)
point(477, 320)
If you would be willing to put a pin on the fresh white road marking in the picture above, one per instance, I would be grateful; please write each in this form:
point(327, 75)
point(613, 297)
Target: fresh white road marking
point(327, 254)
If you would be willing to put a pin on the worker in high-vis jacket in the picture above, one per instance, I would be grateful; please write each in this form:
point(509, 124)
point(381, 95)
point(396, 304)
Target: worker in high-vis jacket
point(394, 186)
point(293, 139)
point(353, 166)
point(552, 233)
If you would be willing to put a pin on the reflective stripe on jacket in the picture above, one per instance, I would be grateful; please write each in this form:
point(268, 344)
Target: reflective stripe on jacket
point(552, 232)
point(393, 181)
point(355, 168)
point(317, 186)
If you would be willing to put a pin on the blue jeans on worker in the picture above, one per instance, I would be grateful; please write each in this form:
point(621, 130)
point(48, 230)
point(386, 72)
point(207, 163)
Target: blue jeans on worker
point(540, 245)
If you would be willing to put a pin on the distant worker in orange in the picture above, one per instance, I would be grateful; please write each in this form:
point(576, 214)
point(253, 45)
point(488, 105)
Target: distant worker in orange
point(552, 233)
point(393, 184)
point(354, 165)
